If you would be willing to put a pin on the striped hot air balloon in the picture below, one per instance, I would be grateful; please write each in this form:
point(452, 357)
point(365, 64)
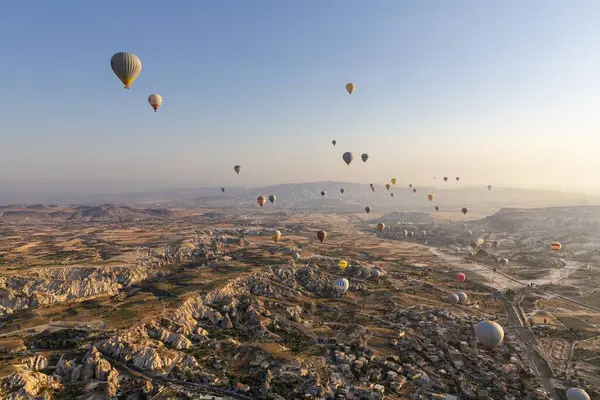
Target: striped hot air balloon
point(555, 246)
point(126, 66)
point(342, 285)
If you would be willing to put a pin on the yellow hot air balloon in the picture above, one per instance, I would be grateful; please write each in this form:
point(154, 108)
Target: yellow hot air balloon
point(261, 200)
point(126, 66)
point(394, 181)
point(387, 186)
point(343, 264)
point(276, 236)
point(480, 241)
point(381, 226)
point(350, 87)
point(430, 197)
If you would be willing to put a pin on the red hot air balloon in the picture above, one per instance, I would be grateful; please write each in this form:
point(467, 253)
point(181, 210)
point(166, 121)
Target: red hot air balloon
point(461, 277)
point(321, 235)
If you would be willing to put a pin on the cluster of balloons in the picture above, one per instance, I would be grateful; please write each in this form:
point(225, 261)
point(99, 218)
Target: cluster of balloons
point(127, 67)
point(458, 298)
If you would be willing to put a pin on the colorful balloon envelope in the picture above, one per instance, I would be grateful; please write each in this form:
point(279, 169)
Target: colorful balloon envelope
point(261, 200)
point(321, 235)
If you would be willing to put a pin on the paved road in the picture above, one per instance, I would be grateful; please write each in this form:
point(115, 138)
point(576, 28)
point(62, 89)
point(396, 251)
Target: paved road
point(196, 387)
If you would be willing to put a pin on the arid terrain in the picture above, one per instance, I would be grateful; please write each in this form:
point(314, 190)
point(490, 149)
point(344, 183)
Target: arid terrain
point(131, 302)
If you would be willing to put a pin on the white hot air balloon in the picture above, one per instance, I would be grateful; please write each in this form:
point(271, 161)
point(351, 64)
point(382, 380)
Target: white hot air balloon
point(126, 66)
point(462, 297)
point(342, 285)
point(452, 299)
point(155, 101)
point(577, 394)
point(489, 333)
point(375, 273)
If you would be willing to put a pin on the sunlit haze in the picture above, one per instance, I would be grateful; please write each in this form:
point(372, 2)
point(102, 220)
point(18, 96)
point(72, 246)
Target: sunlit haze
point(503, 93)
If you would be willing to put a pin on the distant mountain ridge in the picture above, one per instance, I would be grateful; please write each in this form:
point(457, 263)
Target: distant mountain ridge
point(306, 196)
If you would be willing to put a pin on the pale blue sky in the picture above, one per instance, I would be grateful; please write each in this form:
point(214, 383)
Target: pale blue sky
point(493, 91)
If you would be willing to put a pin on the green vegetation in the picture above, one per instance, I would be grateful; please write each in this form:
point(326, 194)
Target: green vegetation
point(63, 339)
point(69, 392)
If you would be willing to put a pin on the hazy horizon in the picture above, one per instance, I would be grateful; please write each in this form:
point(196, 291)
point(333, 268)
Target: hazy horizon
point(497, 93)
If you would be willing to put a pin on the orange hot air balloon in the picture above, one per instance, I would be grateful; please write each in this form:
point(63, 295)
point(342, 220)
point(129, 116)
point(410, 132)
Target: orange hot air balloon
point(430, 197)
point(321, 235)
point(555, 246)
point(261, 200)
point(461, 277)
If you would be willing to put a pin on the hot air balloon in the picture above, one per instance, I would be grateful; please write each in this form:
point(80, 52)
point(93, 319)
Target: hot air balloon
point(405, 233)
point(461, 277)
point(261, 200)
point(237, 169)
point(223, 190)
point(375, 273)
point(333, 142)
point(342, 285)
point(392, 194)
point(342, 191)
point(489, 333)
point(577, 394)
point(469, 233)
point(272, 198)
point(452, 299)
point(343, 264)
point(364, 157)
point(555, 246)
point(295, 256)
point(368, 209)
point(457, 179)
point(489, 187)
point(414, 190)
point(321, 235)
point(323, 193)
point(504, 261)
point(387, 187)
point(394, 181)
point(126, 66)
point(410, 185)
point(437, 208)
point(430, 197)
point(462, 297)
point(410, 234)
point(348, 157)
point(445, 179)
point(155, 101)
point(480, 241)
point(464, 210)
point(488, 245)
point(372, 187)
point(381, 226)
point(276, 236)
point(350, 87)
